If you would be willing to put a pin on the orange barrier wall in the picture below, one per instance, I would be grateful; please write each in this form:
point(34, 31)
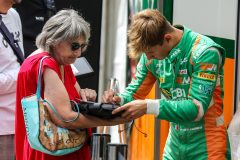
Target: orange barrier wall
point(228, 89)
point(164, 126)
point(141, 147)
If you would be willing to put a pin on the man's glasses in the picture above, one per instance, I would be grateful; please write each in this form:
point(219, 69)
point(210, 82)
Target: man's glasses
point(75, 46)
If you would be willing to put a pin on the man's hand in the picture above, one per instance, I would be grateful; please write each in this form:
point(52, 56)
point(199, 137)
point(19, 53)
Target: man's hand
point(109, 97)
point(132, 110)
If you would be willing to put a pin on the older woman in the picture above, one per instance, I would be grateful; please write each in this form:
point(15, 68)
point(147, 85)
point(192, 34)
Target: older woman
point(64, 37)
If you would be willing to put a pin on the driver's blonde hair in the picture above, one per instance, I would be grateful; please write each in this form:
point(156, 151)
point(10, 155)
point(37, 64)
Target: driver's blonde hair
point(147, 29)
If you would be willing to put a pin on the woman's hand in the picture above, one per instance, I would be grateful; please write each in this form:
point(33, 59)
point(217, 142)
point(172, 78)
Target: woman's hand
point(132, 110)
point(88, 94)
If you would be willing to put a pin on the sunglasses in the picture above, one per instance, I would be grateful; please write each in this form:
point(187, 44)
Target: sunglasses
point(75, 46)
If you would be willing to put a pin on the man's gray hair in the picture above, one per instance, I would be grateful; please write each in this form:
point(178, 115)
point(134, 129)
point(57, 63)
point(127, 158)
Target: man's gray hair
point(66, 25)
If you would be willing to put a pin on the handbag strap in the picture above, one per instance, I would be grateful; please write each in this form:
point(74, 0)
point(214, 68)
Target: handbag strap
point(38, 93)
point(10, 39)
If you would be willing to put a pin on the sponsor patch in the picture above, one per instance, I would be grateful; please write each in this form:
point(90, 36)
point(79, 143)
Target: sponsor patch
point(183, 80)
point(205, 82)
point(179, 80)
point(162, 80)
point(183, 61)
point(166, 93)
point(139, 66)
point(206, 89)
point(207, 76)
point(149, 62)
point(199, 53)
point(158, 71)
point(208, 67)
point(159, 65)
point(178, 93)
point(183, 71)
point(176, 52)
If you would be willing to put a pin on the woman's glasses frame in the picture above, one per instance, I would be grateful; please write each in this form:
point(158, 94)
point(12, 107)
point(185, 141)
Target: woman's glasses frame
point(75, 46)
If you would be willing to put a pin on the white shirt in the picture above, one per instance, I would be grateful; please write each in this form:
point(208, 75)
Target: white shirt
point(9, 68)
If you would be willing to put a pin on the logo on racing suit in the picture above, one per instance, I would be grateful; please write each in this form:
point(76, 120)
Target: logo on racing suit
point(174, 93)
point(158, 70)
point(183, 61)
point(166, 93)
point(183, 71)
point(139, 67)
point(178, 93)
point(205, 82)
point(149, 62)
point(183, 80)
point(206, 89)
point(158, 65)
point(208, 67)
point(161, 79)
point(176, 52)
point(207, 76)
point(199, 53)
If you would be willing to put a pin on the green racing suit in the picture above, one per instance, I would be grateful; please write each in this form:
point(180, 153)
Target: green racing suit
point(191, 81)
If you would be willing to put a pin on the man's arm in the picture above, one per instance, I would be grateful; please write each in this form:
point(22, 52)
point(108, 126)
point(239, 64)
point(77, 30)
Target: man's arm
point(205, 80)
point(141, 85)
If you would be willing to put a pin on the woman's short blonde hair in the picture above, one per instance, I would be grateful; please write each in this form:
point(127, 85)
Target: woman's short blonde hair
point(147, 29)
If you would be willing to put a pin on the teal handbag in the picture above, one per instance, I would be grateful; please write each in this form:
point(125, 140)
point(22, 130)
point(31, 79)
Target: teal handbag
point(43, 135)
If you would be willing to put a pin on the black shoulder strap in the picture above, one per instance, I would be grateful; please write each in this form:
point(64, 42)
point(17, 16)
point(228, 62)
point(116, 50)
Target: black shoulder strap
point(10, 39)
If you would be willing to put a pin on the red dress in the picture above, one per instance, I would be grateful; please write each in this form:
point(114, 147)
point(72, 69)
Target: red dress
point(26, 85)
